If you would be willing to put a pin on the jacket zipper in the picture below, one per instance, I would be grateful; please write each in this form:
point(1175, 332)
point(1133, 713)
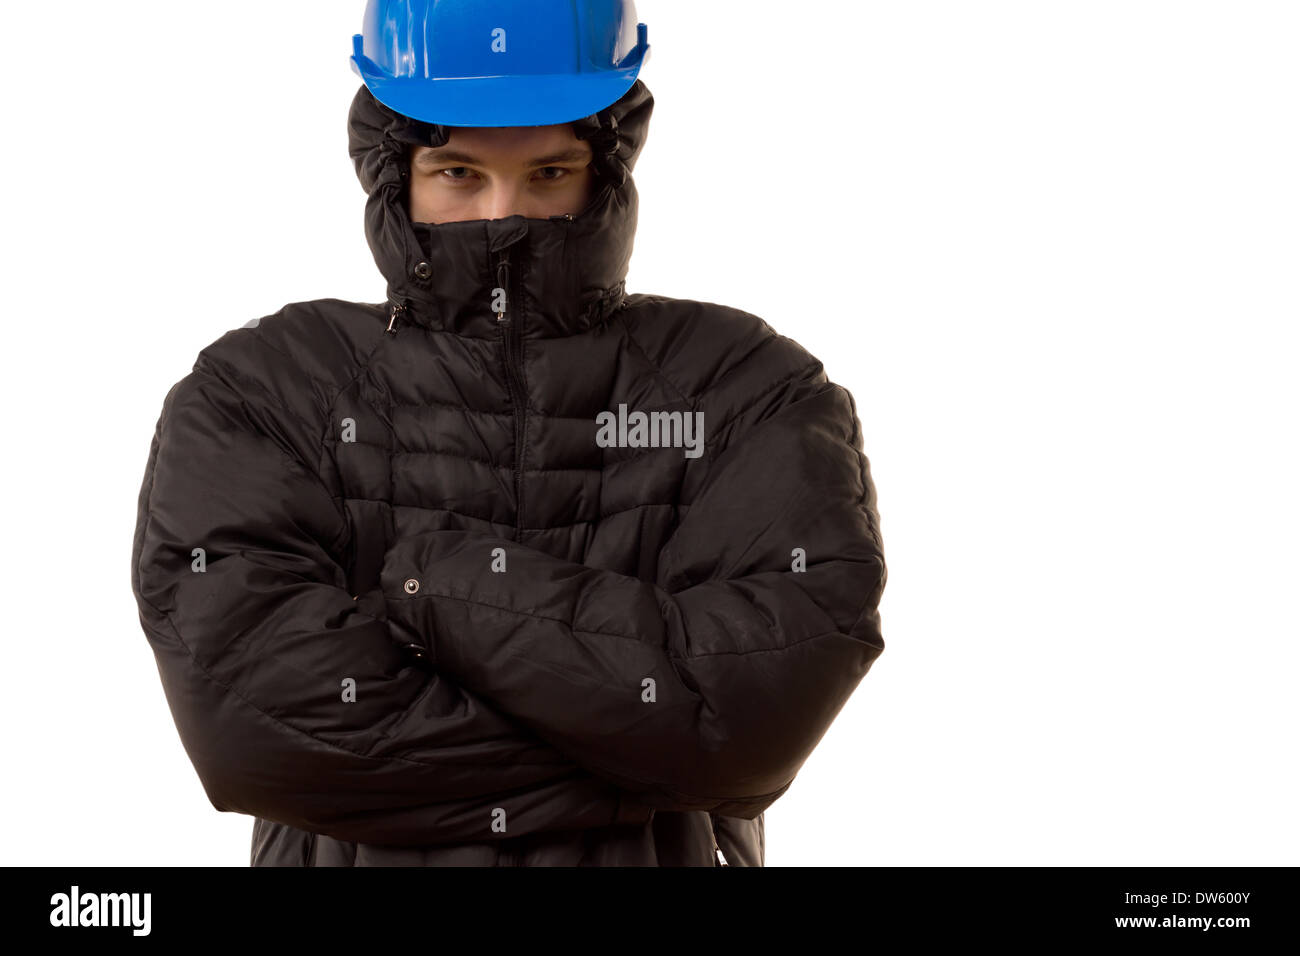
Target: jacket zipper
point(511, 340)
point(397, 311)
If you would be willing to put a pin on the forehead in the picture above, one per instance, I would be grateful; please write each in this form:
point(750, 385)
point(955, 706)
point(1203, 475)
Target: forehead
point(507, 145)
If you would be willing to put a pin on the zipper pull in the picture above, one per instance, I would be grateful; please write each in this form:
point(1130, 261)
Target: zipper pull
point(398, 309)
point(503, 286)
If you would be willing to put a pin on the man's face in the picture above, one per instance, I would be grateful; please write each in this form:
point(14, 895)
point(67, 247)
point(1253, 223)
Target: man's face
point(495, 172)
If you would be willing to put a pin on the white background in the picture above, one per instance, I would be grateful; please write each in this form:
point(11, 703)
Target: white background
point(1051, 248)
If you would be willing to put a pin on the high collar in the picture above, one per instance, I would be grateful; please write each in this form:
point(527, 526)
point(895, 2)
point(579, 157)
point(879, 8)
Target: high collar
point(563, 275)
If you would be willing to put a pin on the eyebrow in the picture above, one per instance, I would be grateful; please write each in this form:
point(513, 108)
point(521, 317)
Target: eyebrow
point(455, 156)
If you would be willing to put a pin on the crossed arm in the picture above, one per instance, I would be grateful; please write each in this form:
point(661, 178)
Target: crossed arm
point(571, 697)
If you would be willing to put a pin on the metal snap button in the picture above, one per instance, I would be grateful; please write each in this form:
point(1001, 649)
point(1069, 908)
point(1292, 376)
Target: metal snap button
point(411, 585)
point(423, 270)
point(416, 650)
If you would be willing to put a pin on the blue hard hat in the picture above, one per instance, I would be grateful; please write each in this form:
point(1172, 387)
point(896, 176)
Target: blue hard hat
point(499, 62)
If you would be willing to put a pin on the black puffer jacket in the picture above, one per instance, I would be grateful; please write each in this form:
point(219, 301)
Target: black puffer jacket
point(408, 609)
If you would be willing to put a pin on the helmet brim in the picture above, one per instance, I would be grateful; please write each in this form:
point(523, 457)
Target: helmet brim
point(539, 100)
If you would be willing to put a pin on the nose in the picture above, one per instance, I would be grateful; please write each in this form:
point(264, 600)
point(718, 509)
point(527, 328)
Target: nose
point(502, 201)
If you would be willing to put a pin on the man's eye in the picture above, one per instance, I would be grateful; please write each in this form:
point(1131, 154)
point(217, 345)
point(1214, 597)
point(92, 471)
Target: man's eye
point(557, 169)
point(454, 169)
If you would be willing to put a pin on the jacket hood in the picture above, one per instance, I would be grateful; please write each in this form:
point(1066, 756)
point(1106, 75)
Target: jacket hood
point(564, 274)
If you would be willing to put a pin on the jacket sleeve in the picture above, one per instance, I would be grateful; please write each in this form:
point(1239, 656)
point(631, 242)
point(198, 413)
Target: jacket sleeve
point(708, 687)
point(293, 698)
